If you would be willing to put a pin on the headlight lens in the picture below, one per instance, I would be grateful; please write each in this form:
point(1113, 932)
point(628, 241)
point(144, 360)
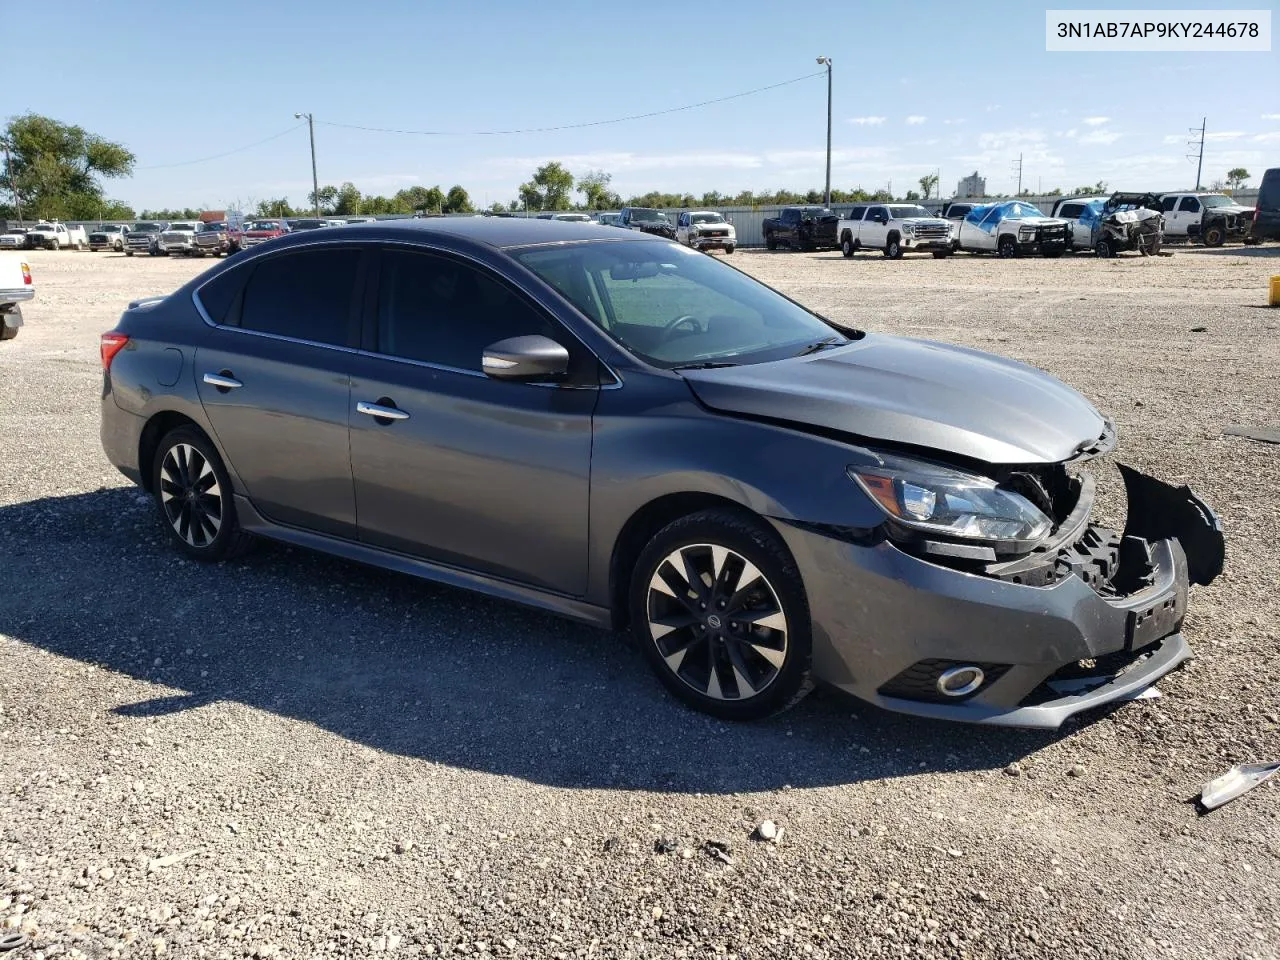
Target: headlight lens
point(1026, 233)
point(940, 500)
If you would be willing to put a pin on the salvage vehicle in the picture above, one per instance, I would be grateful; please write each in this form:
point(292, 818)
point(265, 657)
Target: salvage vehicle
point(1211, 218)
point(16, 288)
point(260, 231)
point(15, 239)
point(607, 219)
point(640, 435)
point(1124, 221)
point(956, 211)
point(212, 238)
point(1266, 213)
point(108, 236)
point(706, 230)
point(1013, 228)
point(179, 239)
point(53, 235)
point(894, 229)
point(802, 228)
point(646, 220)
point(1072, 209)
point(144, 237)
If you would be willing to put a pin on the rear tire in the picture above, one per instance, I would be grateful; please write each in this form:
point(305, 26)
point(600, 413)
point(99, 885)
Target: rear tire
point(194, 496)
point(7, 332)
point(719, 609)
point(846, 247)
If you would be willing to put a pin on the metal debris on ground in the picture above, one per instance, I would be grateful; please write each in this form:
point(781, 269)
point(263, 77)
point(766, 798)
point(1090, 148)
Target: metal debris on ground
point(720, 850)
point(1251, 431)
point(12, 941)
point(1238, 780)
point(171, 859)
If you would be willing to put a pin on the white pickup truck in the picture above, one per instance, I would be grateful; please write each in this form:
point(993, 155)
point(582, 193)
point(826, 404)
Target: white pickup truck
point(54, 235)
point(1012, 228)
point(895, 229)
point(1211, 218)
point(16, 287)
point(1079, 228)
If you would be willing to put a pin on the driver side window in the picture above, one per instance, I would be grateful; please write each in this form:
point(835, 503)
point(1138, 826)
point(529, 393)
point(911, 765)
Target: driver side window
point(1189, 205)
point(442, 311)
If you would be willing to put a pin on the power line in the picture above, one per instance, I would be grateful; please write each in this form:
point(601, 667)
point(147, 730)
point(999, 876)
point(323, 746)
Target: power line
point(571, 126)
point(219, 156)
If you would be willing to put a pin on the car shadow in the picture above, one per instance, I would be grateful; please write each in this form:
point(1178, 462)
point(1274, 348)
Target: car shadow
point(419, 669)
point(1271, 251)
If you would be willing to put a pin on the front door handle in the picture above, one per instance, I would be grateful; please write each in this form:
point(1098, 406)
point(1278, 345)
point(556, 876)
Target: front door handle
point(380, 412)
point(222, 381)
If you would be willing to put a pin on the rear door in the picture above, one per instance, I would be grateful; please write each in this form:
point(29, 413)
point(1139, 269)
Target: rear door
point(488, 475)
point(274, 380)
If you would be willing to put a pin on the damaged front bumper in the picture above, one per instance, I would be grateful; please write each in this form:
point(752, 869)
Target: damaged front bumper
point(1093, 618)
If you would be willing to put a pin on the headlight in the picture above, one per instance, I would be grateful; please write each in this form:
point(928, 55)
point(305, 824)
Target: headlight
point(909, 229)
point(940, 500)
point(1026, 233)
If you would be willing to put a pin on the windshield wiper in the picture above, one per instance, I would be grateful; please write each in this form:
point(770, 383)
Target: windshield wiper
point(821, 345)
point(705, 365)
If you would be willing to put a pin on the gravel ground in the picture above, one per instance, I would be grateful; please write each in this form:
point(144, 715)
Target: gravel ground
point(291, 756)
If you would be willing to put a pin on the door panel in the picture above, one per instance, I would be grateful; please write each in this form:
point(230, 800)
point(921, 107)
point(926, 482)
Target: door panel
point(483, 474)
point(285, 429)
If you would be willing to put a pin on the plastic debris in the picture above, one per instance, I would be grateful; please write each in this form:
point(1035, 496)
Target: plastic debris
point(1238, 780)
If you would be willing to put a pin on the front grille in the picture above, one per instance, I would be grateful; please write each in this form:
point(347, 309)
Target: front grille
point(932, 232)
point(920, 680)
point(714, 233)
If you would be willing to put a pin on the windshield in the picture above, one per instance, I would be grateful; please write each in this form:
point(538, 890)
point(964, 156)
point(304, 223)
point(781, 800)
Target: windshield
point(182, 226)
point(1217, 200)
point(705, 218)
point(146, 227)
point(642, 215)
point(901, 213)
point(17, 233)
point(674, 306)
point(308, 224)
point(264, 225)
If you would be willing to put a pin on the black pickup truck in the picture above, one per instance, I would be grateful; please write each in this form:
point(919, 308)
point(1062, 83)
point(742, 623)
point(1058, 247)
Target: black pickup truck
point(801, 228)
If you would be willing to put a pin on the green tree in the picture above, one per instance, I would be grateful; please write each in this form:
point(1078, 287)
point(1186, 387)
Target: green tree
point(185, 214)
point(277, 207)
point(911, 195)
point(927, 184)
point(426, 199)
point(1236, 177)
point(594, 187)
point(549, 189)
point(1097, 188)
point(458, 201)
point(57, 168)
point(347, 201)
point(327, 198)
point(373, 205)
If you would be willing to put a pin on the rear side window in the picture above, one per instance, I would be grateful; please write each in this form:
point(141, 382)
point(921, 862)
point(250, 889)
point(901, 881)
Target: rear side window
point(855, 213)
point(307, 295)
point(218, 295)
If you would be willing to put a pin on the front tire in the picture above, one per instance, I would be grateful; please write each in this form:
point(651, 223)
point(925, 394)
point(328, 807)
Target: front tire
point(1008, 247)
point(719, 609)
point(1214, 236)
point(1104, 249)
point(194, 495)
point(54, 244)
point(770, 243)
point(128, 253)
point(893, 249)
point(941, 254)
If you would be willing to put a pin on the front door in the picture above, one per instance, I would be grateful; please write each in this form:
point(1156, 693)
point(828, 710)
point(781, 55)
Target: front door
point(482, 474)
point(274, 381)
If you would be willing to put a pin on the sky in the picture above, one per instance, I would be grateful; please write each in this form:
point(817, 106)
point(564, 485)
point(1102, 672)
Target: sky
point(917, 87)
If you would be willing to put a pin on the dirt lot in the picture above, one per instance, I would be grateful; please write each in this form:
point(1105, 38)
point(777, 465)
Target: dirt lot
point(291, 756)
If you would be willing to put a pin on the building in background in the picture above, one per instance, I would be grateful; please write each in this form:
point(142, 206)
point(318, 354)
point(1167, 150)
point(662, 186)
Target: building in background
point(972, 186)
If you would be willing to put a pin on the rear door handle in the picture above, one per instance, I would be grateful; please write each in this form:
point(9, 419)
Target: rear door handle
point(379, 411)
point(222, 381)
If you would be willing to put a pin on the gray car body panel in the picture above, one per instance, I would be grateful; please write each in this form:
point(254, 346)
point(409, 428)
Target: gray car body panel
point(582, 463)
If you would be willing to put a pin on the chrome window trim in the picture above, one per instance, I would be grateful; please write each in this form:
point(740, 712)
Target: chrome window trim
point(373, 354)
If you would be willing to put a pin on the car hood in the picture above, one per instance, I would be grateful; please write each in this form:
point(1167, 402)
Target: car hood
point(925, 221)
point(1231, 208)
point(916, 392)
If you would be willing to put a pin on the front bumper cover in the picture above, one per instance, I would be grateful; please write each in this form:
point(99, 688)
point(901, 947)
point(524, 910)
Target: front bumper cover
point(880, 613)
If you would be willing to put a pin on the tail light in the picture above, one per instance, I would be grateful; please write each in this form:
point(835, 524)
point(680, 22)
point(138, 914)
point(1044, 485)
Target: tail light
point(26, 275)
point(112, 343)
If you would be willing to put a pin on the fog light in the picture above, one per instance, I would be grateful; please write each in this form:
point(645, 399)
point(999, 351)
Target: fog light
point(960, 681)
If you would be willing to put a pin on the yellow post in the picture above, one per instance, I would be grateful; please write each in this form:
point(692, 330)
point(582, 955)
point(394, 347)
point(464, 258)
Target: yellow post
point(1274, 299)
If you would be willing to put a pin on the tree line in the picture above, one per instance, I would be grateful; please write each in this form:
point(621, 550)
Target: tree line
point(58, 171)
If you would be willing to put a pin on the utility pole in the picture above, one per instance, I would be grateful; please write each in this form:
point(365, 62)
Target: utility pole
point(1019, 193)
point(1200, 155)
point(13, 184)
point(315, 181)
point(826, 201)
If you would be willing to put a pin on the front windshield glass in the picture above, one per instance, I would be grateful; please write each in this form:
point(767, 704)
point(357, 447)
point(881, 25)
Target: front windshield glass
point(182, 226)
point(642, 215)
point(705, 218)
point(901, 213)
point(146, 227)
point(674, 306)
point(264, 225)
point(1217, 201)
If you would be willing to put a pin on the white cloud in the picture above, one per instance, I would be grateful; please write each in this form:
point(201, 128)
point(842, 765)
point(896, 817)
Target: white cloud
point(1225, 135)
point(1271, 116)
point(1100, 136)
point(1266, 137)
point(1070, 134)
point(1004, 139)
point(992, 107)
point(915, 120)
point(1095, 121)
point(957, 120)
point(867, 121)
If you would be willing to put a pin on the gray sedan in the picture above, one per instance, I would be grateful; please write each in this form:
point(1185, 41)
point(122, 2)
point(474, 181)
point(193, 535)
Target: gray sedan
point(621, 430)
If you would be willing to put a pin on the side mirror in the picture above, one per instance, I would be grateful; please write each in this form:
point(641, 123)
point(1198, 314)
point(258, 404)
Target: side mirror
point(529, 359)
